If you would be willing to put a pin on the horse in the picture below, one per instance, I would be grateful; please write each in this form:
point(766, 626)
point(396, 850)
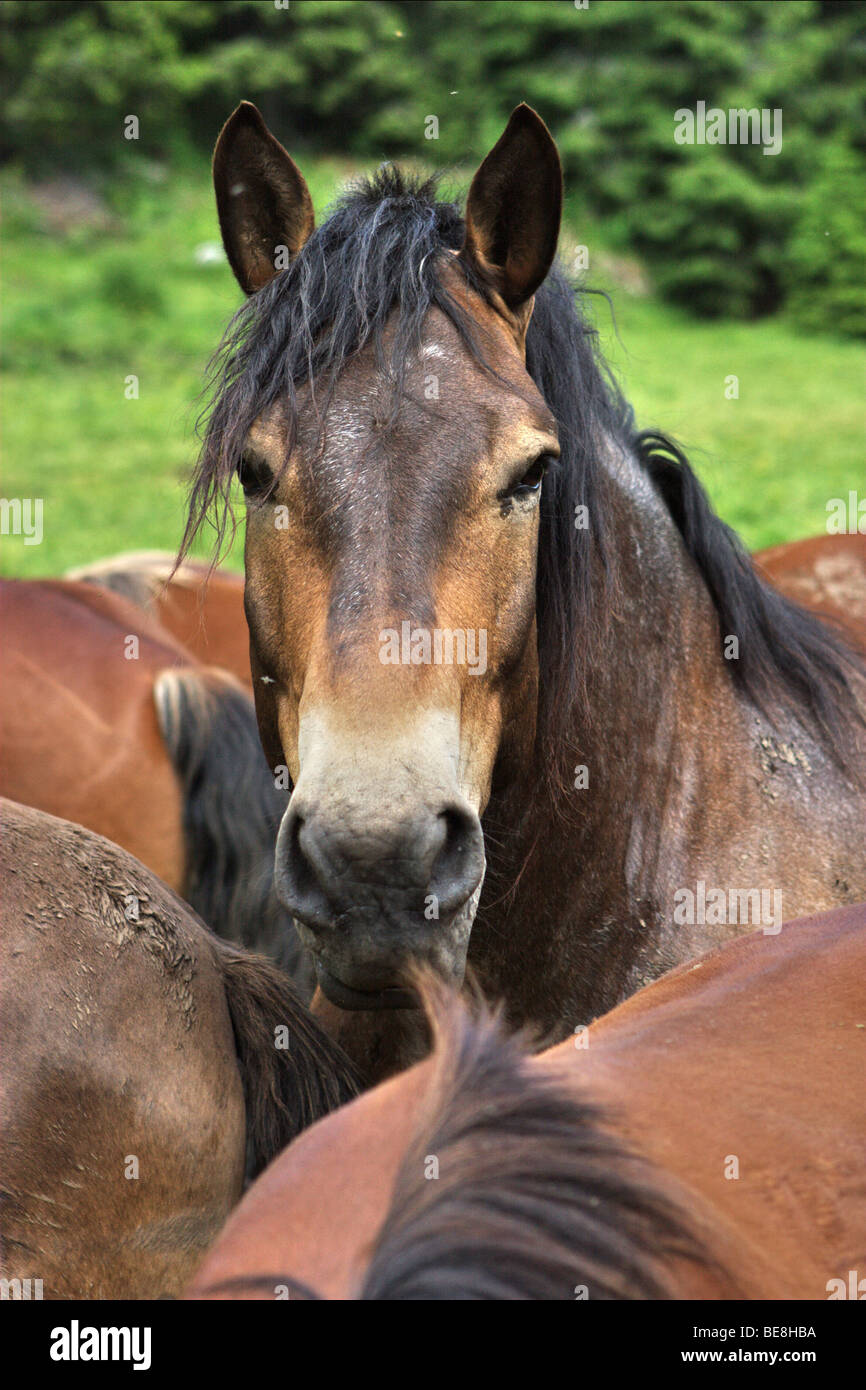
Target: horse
point(146, 1064)
point(203, 608)
point(826, 574)
point(105, 719)
point(199, 605)
point(528, 687)
point(704, 1140)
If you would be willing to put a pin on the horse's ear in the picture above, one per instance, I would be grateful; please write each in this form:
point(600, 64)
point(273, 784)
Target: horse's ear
point(514, 209)
point(263, 200)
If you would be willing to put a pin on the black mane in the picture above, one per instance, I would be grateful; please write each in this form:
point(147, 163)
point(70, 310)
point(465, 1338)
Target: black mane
point(533, 1198)
point(379, 250)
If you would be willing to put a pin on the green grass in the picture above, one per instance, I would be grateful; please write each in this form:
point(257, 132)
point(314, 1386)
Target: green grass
point(88, 307)
point(771, 458)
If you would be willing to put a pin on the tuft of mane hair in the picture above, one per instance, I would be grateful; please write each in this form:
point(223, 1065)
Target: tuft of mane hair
point(136, 576)
point(140, 575)
point(534, 1198)
point(382, 248)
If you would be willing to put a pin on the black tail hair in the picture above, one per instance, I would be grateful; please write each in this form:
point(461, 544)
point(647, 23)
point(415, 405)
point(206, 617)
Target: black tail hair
point(289, 1082)
point(232, 812)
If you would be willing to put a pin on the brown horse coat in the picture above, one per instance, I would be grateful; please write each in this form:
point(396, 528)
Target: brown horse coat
point(79, 735)
point(824, 573)
point(107, 720)
point(202, 607)
point(738, 1080)
point(141, 1068)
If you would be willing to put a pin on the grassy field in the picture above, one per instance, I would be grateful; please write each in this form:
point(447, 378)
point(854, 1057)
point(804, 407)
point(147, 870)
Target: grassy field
point(131, 284)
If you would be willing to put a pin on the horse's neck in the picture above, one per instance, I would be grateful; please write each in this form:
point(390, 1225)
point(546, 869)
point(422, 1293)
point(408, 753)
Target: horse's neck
point(670, 729)
point(660, 665)
point(664, 717)
point(682, 782)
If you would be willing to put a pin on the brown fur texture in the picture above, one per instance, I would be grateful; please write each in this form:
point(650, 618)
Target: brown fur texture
point(142, 1068)
point(703, 1140)
point(107, 720)
point(653, 714)
point(826, 574)
point(202, 607)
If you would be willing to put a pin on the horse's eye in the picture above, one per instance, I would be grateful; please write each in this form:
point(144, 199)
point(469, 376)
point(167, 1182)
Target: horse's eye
point(531, 480)
point(254, 475)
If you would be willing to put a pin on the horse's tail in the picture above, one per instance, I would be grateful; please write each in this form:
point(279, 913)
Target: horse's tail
point(293, 1073)
point(231, 812)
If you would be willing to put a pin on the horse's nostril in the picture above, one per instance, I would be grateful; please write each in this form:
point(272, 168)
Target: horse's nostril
point(299, 885)
point(303, 869)
point(459, 865)
point(333, 870)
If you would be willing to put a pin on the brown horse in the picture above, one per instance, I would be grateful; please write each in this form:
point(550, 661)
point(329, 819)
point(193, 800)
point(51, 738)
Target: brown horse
point(703, 1140)
point(144, 1060)
point(201, 606)
point(105, 719)
point(498, 636)
point(824, 573)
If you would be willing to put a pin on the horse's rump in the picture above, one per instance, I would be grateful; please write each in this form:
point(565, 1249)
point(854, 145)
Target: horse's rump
point(123, 1142)
point(109, 722)
point(703, 1140)
point(146, 1064)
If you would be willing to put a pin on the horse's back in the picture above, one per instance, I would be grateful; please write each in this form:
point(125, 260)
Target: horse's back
point(824, 573)
point(744, 1075)
point(200, 605)
point(120, 1086)
point(78, 727)
point(771, 966)
point(737, 1080)
point(205, 611)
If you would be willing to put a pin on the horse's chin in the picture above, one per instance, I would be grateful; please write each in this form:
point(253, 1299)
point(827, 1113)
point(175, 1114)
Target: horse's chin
point(351, 999)
point(357, 985)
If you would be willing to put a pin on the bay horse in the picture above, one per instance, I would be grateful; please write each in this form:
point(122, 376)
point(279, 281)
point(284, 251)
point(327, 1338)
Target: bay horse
point(105, 719)
point(143, 1068)
point(704, 1140)
point(203, 606)
point(200, 605)
point(528, 687)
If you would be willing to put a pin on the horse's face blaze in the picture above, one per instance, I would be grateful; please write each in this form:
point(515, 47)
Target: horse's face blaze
point(390, 559)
